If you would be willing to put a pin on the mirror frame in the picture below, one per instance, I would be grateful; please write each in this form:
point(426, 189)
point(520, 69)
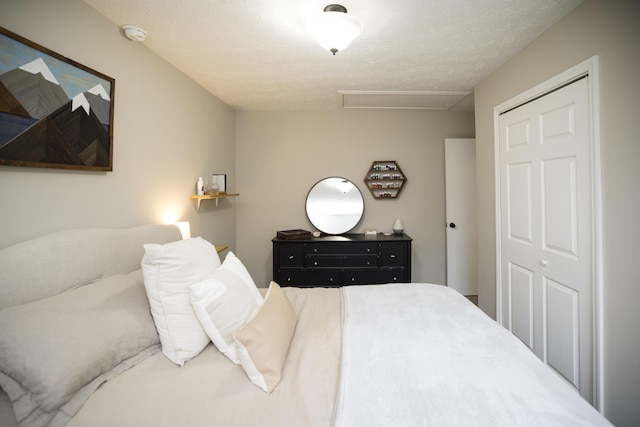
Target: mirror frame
point(346, 208)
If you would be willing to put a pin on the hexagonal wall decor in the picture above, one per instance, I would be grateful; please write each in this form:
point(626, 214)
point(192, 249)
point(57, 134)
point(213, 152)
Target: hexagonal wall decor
point(385, 179)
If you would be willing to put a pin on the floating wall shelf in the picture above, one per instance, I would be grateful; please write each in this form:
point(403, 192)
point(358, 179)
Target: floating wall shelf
point(221, 248)
point(213, 197)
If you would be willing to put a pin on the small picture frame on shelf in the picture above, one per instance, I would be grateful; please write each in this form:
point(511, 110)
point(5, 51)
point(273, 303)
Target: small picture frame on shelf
point(219, 179)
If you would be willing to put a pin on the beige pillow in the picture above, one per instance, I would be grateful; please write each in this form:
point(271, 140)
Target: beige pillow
point(56, 351)
point(262, 343)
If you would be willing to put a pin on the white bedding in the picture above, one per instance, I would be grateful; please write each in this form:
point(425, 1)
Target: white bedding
point(422, 355)
point(413, 355)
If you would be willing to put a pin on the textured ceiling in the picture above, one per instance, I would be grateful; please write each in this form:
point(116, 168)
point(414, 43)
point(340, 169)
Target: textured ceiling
point(257, 55)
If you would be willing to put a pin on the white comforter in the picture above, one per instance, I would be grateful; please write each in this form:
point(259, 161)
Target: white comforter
point(422, 355)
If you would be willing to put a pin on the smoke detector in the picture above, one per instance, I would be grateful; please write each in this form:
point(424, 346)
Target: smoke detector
point(134, 33)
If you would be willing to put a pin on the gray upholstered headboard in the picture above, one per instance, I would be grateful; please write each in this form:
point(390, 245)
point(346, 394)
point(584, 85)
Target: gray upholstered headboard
point(50, 264)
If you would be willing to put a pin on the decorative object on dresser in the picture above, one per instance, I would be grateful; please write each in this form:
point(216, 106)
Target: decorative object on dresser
point(294, 234)
point(350, 259)
point(398, 228)
point(56, 113)
point(385, 179)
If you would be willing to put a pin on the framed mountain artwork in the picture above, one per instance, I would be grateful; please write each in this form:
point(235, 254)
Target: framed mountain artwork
point(54, 112)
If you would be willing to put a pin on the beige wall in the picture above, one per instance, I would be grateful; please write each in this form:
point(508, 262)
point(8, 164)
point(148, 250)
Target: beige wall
point(610, 29)
point(281, 155)
point(167, 132)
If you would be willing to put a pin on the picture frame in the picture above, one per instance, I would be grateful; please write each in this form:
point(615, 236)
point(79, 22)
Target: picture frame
point(54, 112)
point(221, 180)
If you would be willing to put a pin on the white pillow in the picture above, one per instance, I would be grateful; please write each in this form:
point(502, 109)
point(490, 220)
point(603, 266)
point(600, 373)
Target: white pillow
point(263, 342)
point(169, 270)
point(224, 301)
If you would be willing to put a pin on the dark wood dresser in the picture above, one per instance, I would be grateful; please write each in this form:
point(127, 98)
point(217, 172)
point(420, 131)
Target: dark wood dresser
point(349, 259)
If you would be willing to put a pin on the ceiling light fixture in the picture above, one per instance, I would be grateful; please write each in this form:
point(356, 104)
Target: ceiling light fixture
point(334, 29)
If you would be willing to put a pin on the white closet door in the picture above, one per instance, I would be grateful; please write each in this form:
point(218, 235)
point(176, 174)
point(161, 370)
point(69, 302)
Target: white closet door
point(546, 230)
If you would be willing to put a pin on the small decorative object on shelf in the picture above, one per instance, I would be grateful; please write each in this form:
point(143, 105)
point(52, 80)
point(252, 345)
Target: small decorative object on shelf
point(385, 179)
point(200, 187)
point(219, 182)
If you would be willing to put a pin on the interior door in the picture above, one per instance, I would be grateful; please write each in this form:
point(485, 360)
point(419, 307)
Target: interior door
point(546, 230)
point(460, 179)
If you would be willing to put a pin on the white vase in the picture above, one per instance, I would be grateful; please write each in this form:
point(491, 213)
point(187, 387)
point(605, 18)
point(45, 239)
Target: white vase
point(397, 227)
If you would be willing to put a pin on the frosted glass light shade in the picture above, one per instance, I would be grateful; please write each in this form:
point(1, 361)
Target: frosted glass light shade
point(185, 229)
point(334, 30)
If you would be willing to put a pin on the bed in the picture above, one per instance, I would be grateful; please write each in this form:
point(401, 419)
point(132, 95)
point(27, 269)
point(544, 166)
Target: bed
point(92, 334)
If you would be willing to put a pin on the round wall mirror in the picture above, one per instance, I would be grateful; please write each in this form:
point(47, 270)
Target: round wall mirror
point(334, 205)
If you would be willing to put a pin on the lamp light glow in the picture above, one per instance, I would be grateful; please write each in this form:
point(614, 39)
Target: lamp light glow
point(334, 29)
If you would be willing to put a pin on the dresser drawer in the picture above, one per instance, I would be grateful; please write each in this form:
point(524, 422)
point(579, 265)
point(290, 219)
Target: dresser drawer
point(290, 256)
point(366, 248)
point(309, 278)
point(393, 254)
point(366, 277)
point(355, 261)
point(391, 275)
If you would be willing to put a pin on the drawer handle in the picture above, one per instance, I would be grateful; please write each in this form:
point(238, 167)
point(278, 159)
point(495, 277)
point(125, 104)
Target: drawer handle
point(331, 279)
point(315, 249)
point(288, 279)
point(353, 279)
point(392, 256)
point(368, 262)
point(368, 250)
point(290, 256)
point(395, 279)
point(315, 263)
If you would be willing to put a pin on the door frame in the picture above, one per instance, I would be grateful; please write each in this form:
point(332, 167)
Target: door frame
point(588, 67)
